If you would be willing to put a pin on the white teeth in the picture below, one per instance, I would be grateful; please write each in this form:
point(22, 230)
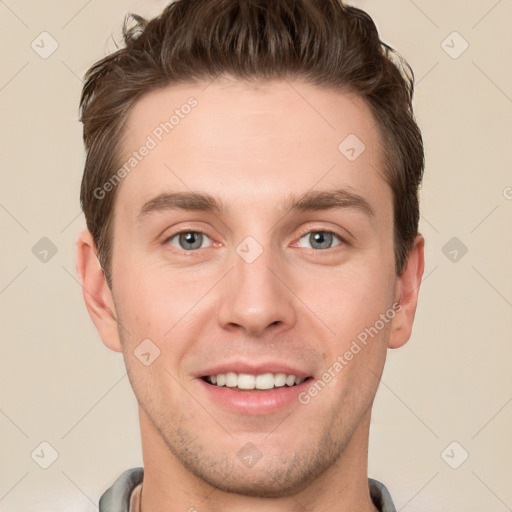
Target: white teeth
point(279, 380)
point(265, 381)
point(231, 380)
point(247, 381)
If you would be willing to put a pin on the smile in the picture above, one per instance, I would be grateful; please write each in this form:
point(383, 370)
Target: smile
point(246, 381)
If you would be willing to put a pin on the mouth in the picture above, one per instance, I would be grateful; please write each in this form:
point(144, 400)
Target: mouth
point(250, 389)
point(254, 382)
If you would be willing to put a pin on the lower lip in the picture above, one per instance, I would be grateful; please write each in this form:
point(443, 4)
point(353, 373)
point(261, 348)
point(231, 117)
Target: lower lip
point(254, 402)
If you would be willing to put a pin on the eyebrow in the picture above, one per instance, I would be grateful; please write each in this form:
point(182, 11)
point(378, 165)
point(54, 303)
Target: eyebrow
point(182, 201)
point(309, 201)
point(329, 200)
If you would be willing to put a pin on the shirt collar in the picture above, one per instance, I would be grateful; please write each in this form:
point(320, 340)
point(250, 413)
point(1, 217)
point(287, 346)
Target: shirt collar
point(118, 497)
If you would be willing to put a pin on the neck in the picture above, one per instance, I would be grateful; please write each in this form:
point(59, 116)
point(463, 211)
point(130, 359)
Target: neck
point(170, 487)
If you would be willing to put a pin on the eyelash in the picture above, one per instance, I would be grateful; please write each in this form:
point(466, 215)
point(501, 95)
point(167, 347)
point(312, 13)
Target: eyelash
point(341, 238)
point(167, 241)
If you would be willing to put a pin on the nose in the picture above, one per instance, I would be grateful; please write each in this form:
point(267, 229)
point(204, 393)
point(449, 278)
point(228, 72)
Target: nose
point(254, 297)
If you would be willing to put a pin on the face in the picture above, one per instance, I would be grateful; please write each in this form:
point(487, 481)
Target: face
point(252, 250)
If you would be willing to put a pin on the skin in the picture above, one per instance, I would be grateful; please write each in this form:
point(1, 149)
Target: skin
point(252, 146)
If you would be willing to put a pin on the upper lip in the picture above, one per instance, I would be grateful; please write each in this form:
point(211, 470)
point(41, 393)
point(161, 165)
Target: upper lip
point(254, 369)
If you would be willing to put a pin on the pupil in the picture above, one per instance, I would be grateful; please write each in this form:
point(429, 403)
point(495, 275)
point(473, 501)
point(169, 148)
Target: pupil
point(321, 240)
point(190, 240)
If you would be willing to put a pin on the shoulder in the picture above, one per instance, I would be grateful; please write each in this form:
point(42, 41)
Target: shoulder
point(380, 496)
point(117, 497)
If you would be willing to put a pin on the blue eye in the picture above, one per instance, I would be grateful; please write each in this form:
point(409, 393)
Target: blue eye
point(319, 240)
point(189, 240)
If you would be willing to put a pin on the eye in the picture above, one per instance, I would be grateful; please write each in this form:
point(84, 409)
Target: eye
point(189, 240)
point(319, 240)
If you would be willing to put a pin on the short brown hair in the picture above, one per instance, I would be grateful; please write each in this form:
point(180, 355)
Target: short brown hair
point(323, 42)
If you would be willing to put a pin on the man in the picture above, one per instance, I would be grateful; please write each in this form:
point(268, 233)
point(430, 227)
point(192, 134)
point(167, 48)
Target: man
point(251, 197)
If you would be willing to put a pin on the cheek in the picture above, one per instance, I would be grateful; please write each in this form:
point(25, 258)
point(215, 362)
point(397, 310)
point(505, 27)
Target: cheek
point(347, 300)
point(153, 300)
point(355, 352)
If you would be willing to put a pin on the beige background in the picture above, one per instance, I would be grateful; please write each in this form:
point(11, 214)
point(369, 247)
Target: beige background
point(451, 382)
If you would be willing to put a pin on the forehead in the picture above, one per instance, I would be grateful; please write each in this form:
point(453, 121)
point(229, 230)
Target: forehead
point(254, 143)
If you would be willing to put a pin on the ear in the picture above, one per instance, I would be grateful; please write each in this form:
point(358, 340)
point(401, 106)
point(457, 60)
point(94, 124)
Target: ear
point(408, 287)
point(96, 292)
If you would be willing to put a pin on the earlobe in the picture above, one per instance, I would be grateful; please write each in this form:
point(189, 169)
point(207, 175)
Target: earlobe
point(408, 287)
point(96, 292)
